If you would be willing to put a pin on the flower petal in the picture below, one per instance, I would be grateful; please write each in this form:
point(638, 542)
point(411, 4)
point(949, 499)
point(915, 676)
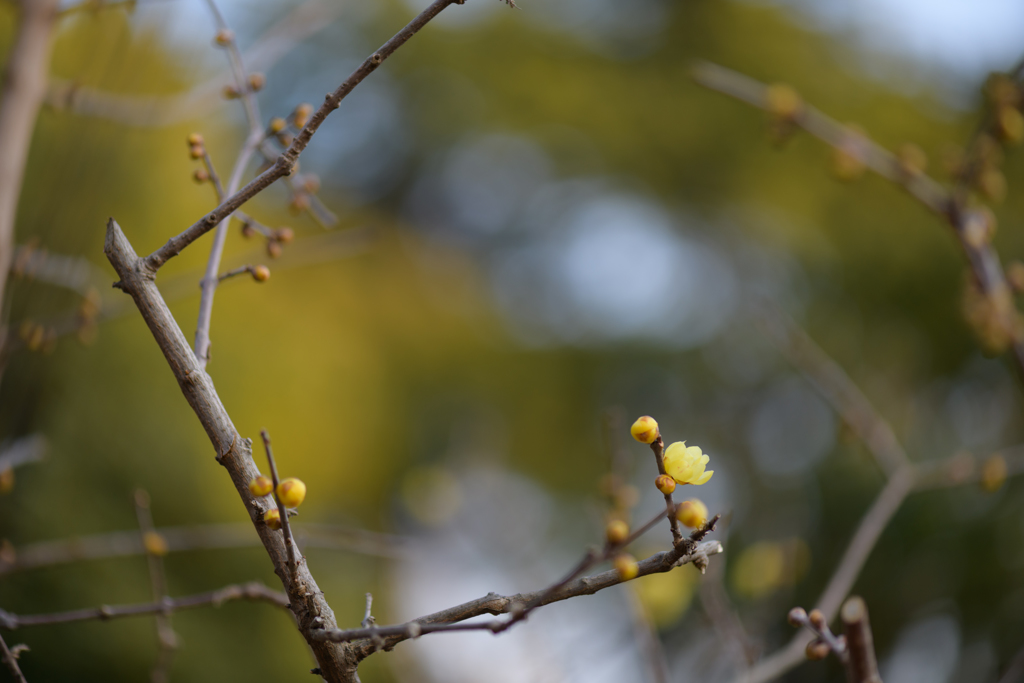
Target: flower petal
point(703, 479)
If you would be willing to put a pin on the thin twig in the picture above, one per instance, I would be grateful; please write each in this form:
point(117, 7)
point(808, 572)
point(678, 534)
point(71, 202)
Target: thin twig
point(286, 162)
point(202, 537)
point(250, 591)
point(21, 96)
point(981, 256)
point(11, 662)
point(155, 547)
point(659, 457)
point(835, 386)
point(282, 510)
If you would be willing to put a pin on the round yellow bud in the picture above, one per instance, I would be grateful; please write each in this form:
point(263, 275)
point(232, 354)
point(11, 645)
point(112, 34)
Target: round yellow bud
point(261, 274)
point(277, 124)
point(261, 486)
point(302, 114)
point(273, 249)
point(247, 230)
point(257, 81)
point(299, 203)
point(616, 531)
point(196, 151)
point(626, 567)
point(284, 235)
point(665, 484)
point(817, 619)
point(272, 518)
point(1010, 125)
point(993, 473)
point(692, 513)
point(645, 429)
point(224, 37)
point(782, 100)
point(817, 650)
point(154, 543)
point(292, 492)
point(194, 139)
point(200, 175)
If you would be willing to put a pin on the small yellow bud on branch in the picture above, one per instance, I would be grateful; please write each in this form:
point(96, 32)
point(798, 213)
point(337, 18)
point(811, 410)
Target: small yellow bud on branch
point(261, 486)
point(292, 492)
point(645, 429)
point(626, 566)
point(616, 532)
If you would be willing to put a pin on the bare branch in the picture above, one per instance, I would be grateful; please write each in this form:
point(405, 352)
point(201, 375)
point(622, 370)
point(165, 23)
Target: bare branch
point(21, 96)
point(254, 591)
point(974, 239)
point(286, 162)
point(11, 662)
point(835, 386)
point(861, 665)
point(307, 602)
point(204, 537)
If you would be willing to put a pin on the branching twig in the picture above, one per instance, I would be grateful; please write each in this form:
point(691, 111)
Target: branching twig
point(519, 606)
point(981, 256)
point(250, 591)
point(862, 666)
point(286, 162)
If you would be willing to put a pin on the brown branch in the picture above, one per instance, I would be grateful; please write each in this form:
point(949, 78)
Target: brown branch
point(519, 606)
point(835, 386)
point(250, 591)
point(949, 205)
point(286, 162)
point(311, 609)
point(658, 446)
point(167, 639)
point(204, 537)
point(21, 96)
point(861, 665)
point(11, 662)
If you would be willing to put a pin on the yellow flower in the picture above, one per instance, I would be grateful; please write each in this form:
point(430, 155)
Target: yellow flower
point(693, 513)
point(686, 464)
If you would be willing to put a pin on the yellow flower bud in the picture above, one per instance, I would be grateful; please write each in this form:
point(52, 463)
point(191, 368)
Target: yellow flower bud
point(201, 175)
point(224, 37)
point(692, 513)
point(257, 81)
point(782, 100)
point(645, 429)
point(194, 139)
point(261, 486)
point(273, 249)
point(993, 473)
point(284, 235)
point(616, 531)
point(817, 650)
point(277, 124)
point(272, 518)
point(1010, 125)
point(261, 273)
point(665, 484)
point(686, 464)
point(196, 151)
point(626, 566)
point(292, 492)
point(154, 543)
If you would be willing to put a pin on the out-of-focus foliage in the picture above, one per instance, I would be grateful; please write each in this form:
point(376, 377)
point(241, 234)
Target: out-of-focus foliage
point(562, 223)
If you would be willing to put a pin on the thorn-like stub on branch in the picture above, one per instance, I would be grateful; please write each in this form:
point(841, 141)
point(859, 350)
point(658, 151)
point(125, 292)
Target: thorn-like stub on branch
point(105, 612)
point(797, 616)
point(414, 630)
point(376, 58)
point(316, 671)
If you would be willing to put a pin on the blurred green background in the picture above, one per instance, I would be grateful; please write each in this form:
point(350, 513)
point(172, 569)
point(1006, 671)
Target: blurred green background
point(542, 222)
